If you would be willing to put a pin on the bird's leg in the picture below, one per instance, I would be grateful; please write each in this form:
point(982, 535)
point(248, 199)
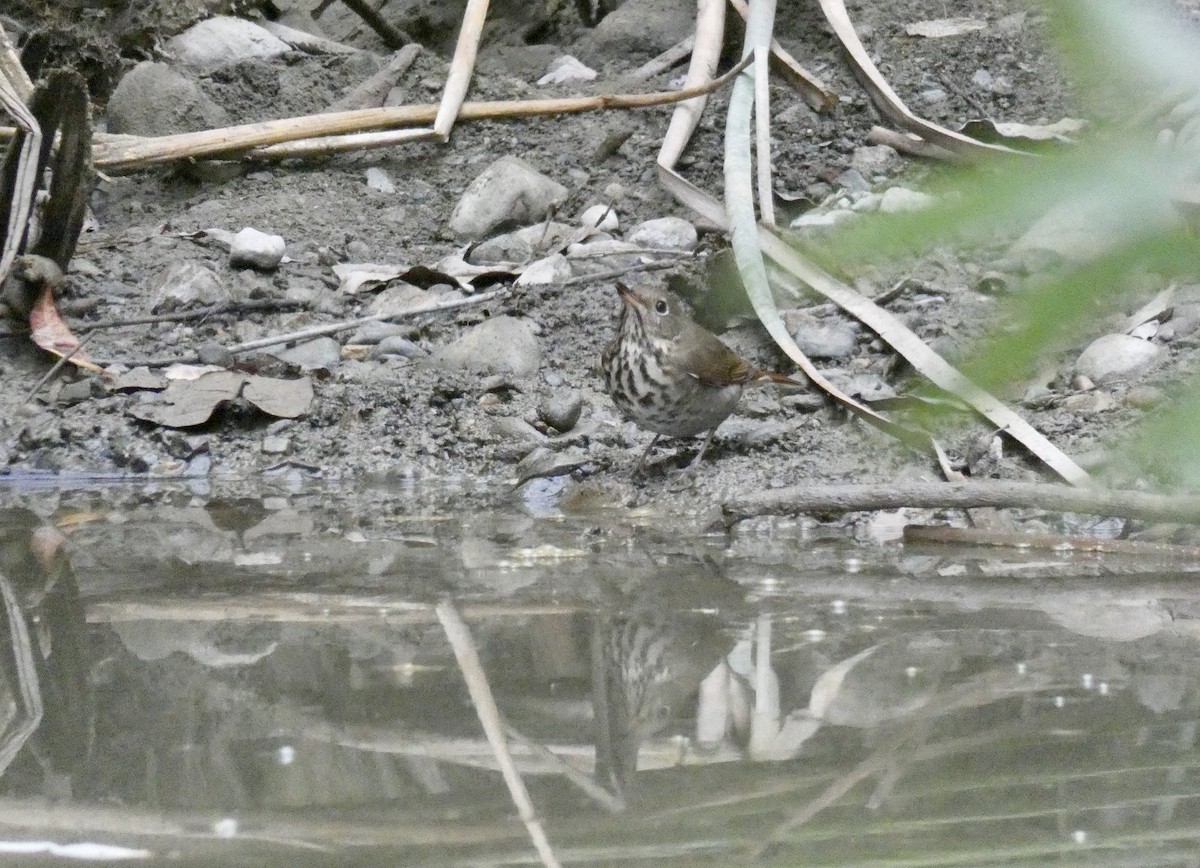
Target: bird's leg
point(703, 446)
point(637, 469)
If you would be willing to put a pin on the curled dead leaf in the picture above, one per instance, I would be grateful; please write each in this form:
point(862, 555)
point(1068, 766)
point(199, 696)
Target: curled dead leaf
point(52, 334)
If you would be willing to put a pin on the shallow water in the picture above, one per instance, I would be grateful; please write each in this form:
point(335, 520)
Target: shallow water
point(267, 678)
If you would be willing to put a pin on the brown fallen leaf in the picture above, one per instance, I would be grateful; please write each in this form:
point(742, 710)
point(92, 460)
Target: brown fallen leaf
point(52, 334)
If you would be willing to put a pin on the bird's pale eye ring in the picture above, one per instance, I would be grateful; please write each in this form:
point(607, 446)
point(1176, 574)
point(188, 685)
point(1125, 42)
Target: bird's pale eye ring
point(660, 307)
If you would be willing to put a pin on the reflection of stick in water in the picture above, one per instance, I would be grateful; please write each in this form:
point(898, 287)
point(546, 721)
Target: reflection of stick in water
point(493, 726)
point(25, 672)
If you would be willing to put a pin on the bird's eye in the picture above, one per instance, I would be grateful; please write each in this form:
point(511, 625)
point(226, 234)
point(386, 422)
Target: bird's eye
point(660, 307)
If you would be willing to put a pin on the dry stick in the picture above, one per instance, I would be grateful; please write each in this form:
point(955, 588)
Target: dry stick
point(392, 37)
point(118, 153)
point(372, 91)
point(586, 784)
point(706, 54)
point(664, 61)
point(332, 328)
point(489, 716)
point(616, 272)
point(199, 313)
point(962, 495)
point(1046, 541)
point(461, 67)
point(57, 366)
point(908, 143)
point(886, 99)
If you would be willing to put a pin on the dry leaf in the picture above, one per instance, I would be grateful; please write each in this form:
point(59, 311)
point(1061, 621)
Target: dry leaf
point(185, 403)
point(284, 398)
point(51, 334)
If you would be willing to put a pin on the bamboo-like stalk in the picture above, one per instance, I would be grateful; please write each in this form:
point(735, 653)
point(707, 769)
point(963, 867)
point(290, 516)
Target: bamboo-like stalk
point(461, 67)
point(129, 153)
point(493, 726)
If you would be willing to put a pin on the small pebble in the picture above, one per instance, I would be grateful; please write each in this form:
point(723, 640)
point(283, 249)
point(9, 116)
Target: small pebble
point(561, 411)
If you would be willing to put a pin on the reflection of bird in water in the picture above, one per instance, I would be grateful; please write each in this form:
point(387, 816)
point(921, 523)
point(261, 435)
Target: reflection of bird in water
point(646, 669)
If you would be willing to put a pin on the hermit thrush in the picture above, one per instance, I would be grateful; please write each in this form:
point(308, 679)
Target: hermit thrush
point(670, 375)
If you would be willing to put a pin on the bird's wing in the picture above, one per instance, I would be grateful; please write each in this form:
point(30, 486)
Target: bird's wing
point(713, 363)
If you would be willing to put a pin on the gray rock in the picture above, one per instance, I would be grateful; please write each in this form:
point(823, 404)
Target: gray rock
point(1112, 357)
point(875, 159)
point(509, 191)
point(667, 233)
point(212, 353)
point(501, 344)
point(256, 250)
point(187, 284)
point(73, 393)
point(223, 39)
point(398, 345)
point(646, 27)
point(853, 180)
point(154, 100)
point(320, 353)
point(561, 410)
point(901, 200)
point(821, 338)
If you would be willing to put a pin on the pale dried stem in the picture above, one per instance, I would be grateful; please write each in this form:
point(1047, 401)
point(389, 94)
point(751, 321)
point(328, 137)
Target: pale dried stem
point(493, 726)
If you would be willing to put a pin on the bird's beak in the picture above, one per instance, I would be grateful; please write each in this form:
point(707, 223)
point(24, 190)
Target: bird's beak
point(628, 298)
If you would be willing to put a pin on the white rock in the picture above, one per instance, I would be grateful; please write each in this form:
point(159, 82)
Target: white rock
point(224, 39)
point(866, 203)
point(1113, 357)
point(551, 269)
point(567, 69)
point(599, 217)
point(666, 233)
point(377, 179)
point(899, 200)
point(821, 218)
point(509, 191)
point(256, 249)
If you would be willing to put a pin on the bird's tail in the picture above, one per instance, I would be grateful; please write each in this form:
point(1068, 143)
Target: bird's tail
point(782, 379)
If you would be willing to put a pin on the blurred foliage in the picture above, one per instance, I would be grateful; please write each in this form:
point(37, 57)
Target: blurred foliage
point(1122, 191)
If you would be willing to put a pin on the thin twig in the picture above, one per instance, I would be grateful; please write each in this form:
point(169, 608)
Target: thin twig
point(327, 329)
point(1088, 500)
point(616, 272)
point(460, 639)
point(198, 313)
point(392, 36)
point(587, 785)
point(57, 366)
point(1047, 542)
